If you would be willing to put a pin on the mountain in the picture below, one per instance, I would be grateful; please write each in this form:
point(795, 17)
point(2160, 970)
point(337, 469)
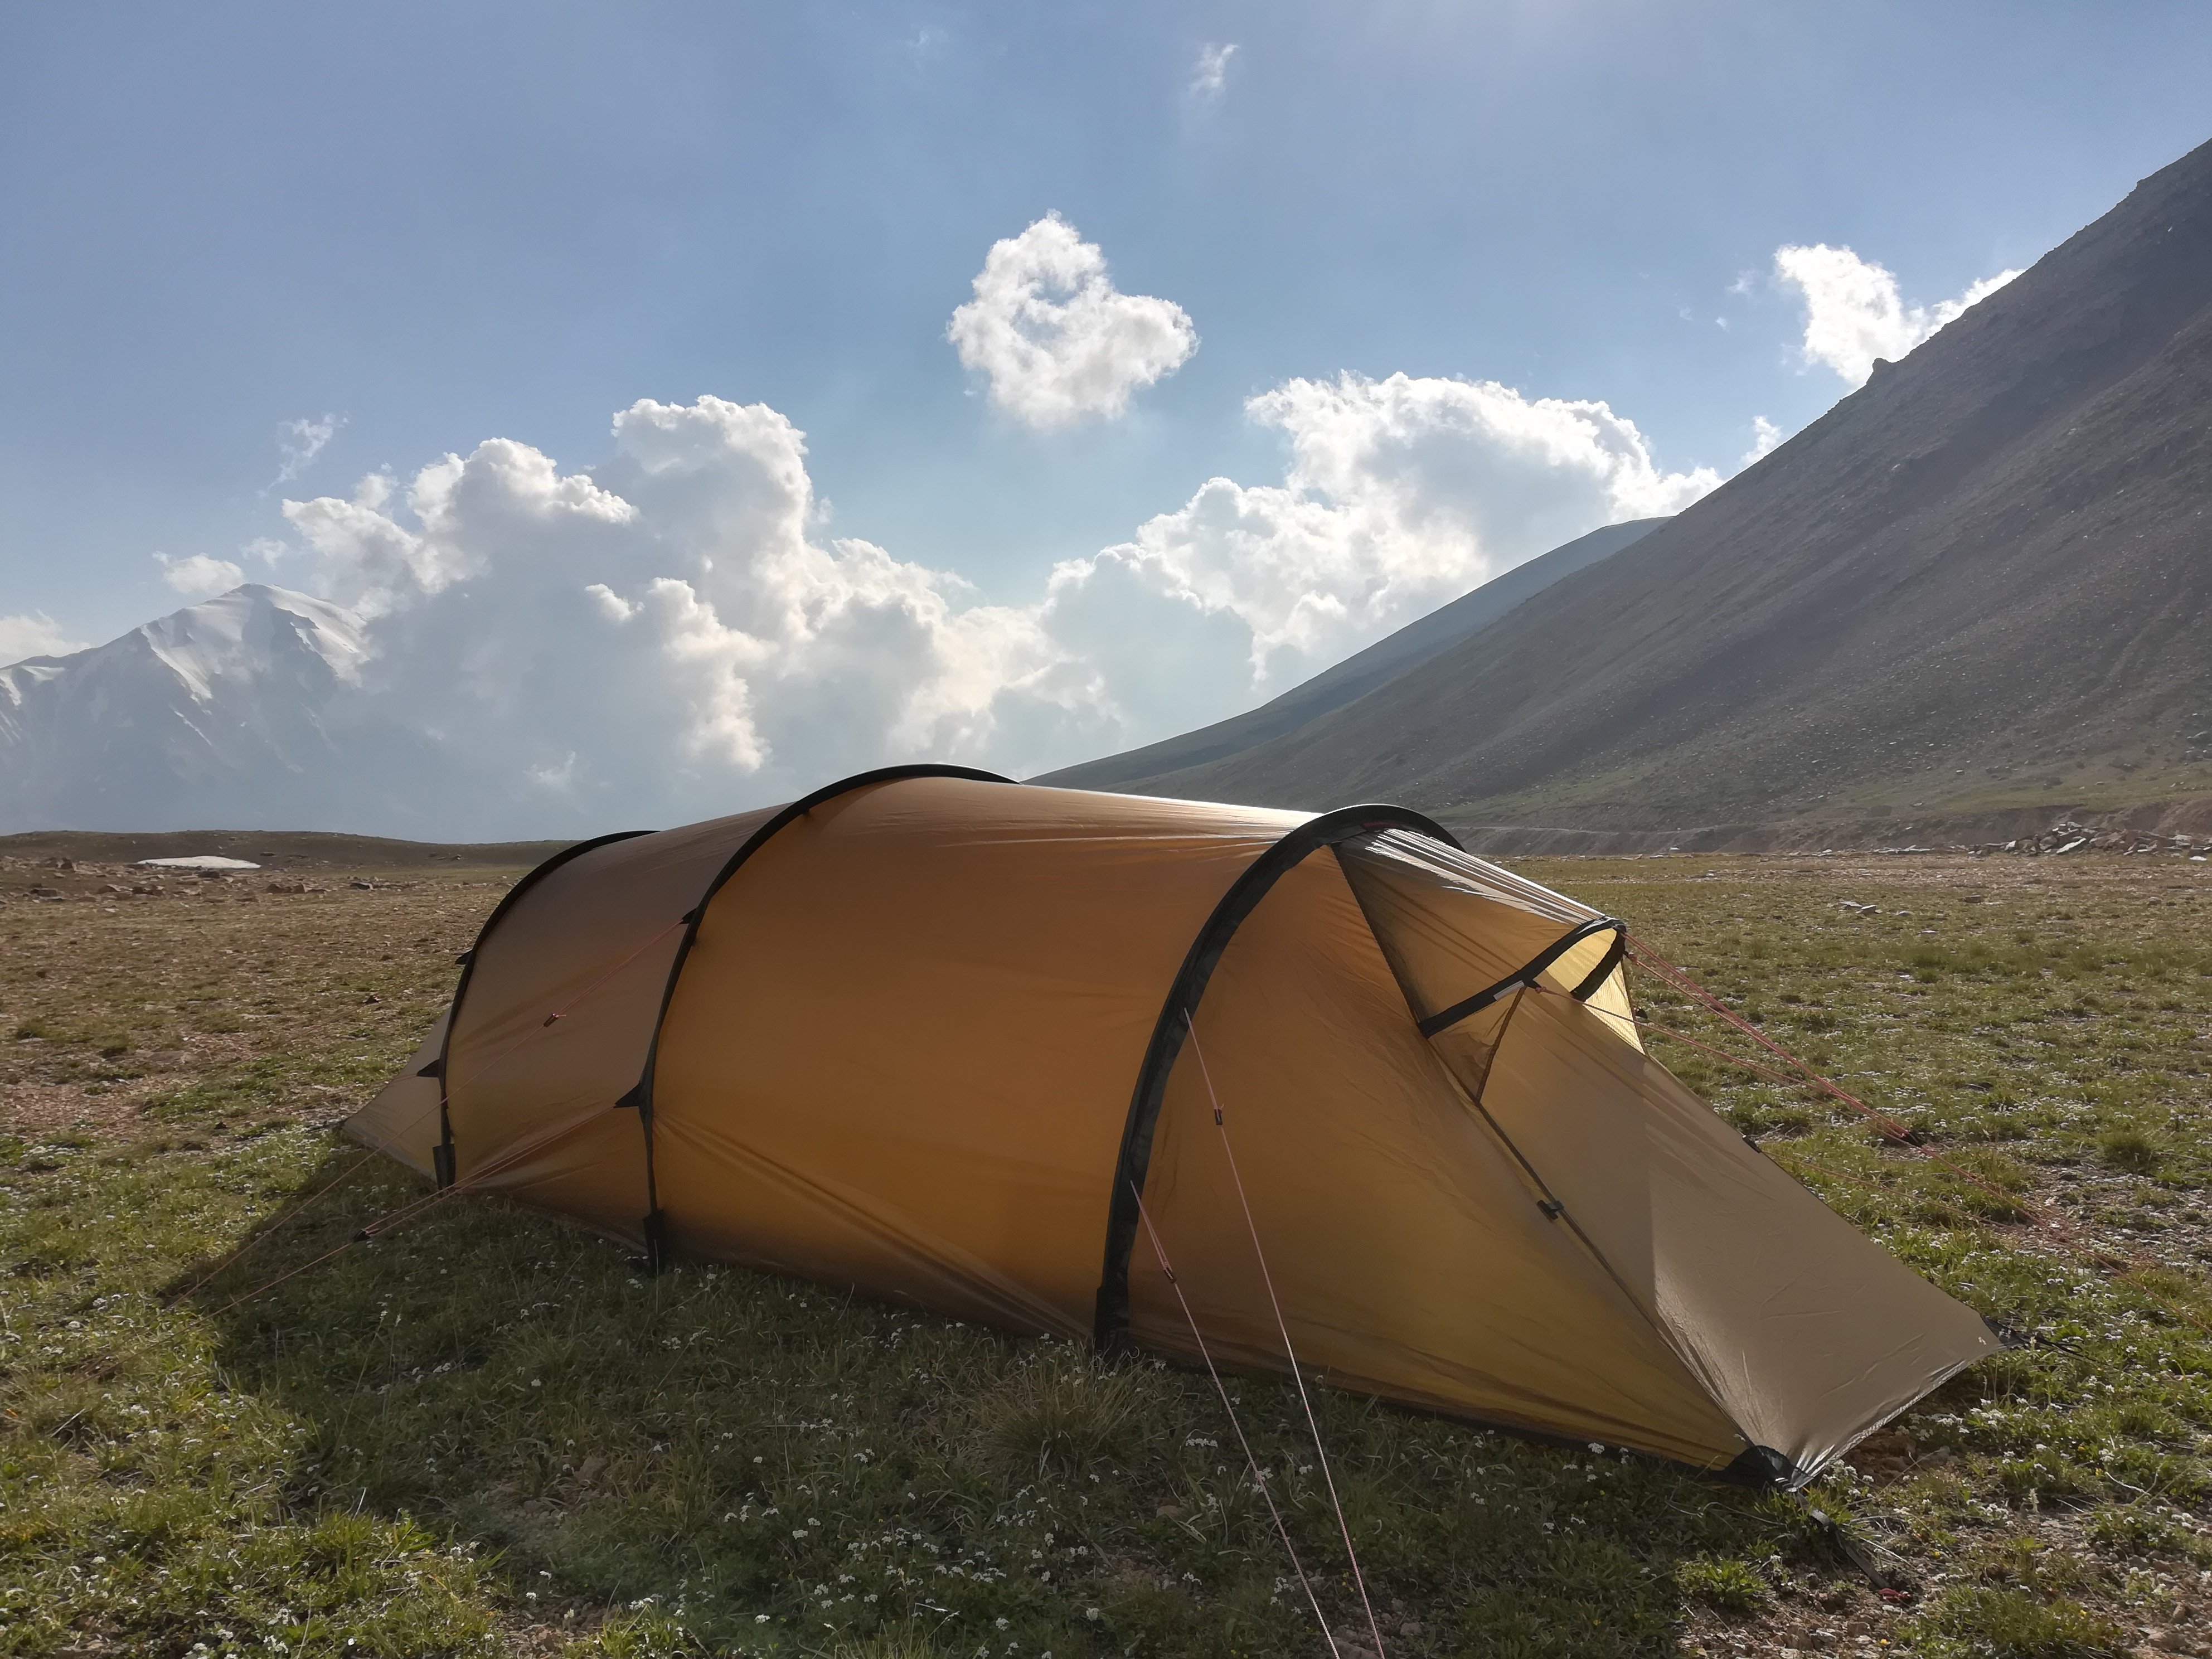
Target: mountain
point(1356, 676)
point(164, 725)
point(1980, 584)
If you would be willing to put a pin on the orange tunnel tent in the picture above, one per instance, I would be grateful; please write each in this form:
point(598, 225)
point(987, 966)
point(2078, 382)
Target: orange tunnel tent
point(929, 1034)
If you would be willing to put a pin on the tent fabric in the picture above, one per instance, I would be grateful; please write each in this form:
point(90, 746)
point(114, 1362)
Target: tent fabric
point(930, 1034)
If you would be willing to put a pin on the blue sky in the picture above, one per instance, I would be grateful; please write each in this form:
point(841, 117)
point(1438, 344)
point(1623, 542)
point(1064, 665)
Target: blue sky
point(446, 223)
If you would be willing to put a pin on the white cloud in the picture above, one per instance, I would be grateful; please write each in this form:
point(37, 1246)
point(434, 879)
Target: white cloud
point(199, 576)
point(298, 443)
point(1052, 335)
point(1212, 73)
point(1401, 494)
point(662, 634)
point(1765, 439)
point(663, 637)
point(1854, 312)
point(34, 634)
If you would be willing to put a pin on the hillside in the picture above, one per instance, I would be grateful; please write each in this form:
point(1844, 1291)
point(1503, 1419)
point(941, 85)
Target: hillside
point(1356, 676)
point(1979, 585)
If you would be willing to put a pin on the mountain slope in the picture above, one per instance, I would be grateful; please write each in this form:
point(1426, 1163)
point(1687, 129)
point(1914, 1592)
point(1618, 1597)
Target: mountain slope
point(1982, 580)
point(1358, 675)
point(161, 725)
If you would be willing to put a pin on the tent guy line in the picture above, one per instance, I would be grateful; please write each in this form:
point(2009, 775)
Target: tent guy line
point(1236, 1425)
point(1275, 1304)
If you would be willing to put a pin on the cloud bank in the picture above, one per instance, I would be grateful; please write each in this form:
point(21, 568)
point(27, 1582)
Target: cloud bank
point(1054, 339)
point(1854, 312)
point(662, 636)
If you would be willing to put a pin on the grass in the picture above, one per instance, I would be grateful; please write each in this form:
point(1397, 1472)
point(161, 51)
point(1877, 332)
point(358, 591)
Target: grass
point(487, 1433)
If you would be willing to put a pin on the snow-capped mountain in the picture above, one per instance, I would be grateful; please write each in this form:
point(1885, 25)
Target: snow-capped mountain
point(164, 728)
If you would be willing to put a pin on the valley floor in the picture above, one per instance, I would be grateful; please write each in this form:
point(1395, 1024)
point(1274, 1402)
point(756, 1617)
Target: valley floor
point(484, 1432)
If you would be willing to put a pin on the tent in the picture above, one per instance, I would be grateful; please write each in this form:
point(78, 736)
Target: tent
point(932, 1034)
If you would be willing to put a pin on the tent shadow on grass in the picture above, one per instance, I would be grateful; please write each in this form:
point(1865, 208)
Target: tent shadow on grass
point(776, 1467)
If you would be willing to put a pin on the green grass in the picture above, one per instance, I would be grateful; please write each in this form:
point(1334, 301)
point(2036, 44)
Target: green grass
point(490, 1419)
point(1732, 1587)
point(487, 1432)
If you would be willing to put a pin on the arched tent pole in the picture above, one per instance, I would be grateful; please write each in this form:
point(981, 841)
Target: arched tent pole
point(441, 1155)
point(1110, 1321)
point(1444, 1018)
point(640, 1095)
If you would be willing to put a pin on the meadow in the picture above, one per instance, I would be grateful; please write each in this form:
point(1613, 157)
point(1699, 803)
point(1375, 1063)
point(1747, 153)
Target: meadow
point(489, 1432)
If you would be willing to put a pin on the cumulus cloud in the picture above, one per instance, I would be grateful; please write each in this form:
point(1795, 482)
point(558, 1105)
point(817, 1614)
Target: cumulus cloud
point(199, 576)
point(662, 632)
point(1401, 494)
point(1210, 74)
point(1854, 312)
point(665, 636)
point(1053, 338)
point(34, 634)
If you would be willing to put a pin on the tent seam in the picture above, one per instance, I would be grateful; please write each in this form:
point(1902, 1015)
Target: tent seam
point(1517, 986)
point(640, 1093)
point(442, 1154)
point(1690, 1365)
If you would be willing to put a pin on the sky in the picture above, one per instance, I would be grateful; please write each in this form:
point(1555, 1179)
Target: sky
point(1148, 357)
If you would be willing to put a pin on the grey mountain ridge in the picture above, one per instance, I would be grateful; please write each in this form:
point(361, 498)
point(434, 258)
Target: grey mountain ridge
point(1359, 674)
